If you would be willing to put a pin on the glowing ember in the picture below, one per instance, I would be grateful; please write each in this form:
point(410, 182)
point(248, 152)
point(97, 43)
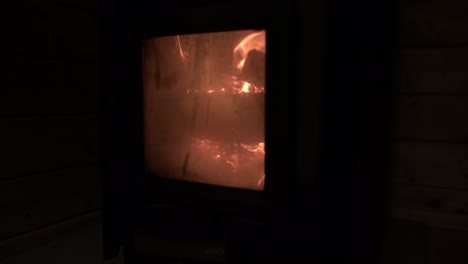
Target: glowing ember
point(245, 87)
point(242, 159)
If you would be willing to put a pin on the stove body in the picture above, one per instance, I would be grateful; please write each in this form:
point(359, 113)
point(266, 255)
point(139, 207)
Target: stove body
point(215, 118)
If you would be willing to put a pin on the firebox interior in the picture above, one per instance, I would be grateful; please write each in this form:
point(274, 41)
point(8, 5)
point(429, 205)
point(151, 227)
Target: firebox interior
point(204, 107)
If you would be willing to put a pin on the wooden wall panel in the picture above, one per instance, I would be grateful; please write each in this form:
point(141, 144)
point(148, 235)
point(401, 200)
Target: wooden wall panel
point(431, 118)
point(30, 203)
point(46, 31)
point(432, 71)
point(411, 242)
point(24, 242)
point(88, 5)
point(405, 242)
point(42, 144)
point(433, 23)
point(434, 205)
point(79, 35)
point(30, 32)
point(48, 87)
point(432, 164)
point(447, 245)
point(48, 125)
point(430, 151)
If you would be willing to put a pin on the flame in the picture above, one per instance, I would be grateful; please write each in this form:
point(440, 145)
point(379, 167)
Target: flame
point(261, 182)
point(253, 41)
point(181, 52)
point(245, 87)
point(240, 88)
point(259, 148)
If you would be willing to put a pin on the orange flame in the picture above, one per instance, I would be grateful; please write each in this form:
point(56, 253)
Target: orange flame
point(181, 52)
point(258, 149)
point(245, 87)
point(261, 182)
point(256, 40)
point(253, 41)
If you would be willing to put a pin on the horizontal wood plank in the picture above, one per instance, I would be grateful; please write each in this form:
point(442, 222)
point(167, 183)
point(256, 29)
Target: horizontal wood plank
point(413, 242)
point(433, 164)
point(433, 23)
point(90, 5)
point(31, 203)
point(49, 87)
point(27, 241)
point(447, 245)
point(79, 30)
point(431, 218)
point(433, 71)
point(54, 32)
point(404, 242)
point(430, 204)
point(431, 118)
point(35, 145)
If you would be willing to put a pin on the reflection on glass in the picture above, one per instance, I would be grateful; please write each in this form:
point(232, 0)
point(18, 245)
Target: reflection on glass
point(204, 100)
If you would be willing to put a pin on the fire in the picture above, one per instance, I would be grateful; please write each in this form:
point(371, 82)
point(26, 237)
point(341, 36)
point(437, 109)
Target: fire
point(249, 88)
point(182, 54)
point(261, 181)
point(253, 41)
point(236, 85)
point(206, 93)
point(234, 156)
point(245, 87)
point(258, 149)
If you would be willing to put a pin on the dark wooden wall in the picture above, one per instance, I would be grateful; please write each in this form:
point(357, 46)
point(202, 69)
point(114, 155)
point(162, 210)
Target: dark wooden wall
point(48, 116)
point(49, 127)
point(430, 139)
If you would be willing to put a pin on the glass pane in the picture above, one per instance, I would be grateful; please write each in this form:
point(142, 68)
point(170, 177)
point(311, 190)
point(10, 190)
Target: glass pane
point(204, 107)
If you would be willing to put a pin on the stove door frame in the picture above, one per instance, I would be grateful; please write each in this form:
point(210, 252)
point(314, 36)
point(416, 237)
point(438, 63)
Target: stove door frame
point(280, 143)
point(123, 28)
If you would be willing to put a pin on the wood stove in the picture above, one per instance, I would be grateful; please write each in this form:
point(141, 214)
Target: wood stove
point(206, 97)
point(210, 128)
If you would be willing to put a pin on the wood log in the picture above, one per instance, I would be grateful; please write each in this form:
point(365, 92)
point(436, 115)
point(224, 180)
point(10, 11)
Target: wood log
point(254, 68)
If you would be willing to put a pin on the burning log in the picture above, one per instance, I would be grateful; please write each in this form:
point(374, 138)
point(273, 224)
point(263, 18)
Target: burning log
point(254, 68)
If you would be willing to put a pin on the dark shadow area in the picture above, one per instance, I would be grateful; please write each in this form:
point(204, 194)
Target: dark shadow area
point(295, 131)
